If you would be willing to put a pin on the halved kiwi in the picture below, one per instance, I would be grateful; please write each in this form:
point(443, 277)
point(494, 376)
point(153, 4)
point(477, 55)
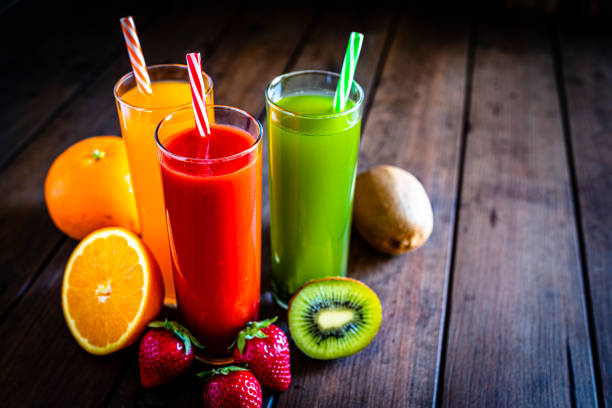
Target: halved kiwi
point(334, 317)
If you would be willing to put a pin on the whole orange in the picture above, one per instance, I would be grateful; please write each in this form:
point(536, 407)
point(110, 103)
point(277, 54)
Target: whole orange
point(88, 187)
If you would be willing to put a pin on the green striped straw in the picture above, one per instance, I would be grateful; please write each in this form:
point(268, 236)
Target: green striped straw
point(348, 71)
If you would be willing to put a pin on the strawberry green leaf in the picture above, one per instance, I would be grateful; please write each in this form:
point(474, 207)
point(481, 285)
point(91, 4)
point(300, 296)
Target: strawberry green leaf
point(179, 331)
point(220, 371)
point(185, 339)
point(206, 374)
point(261, 324)
point(228, 369)
point(241, 342)
point(157, 324)
point(187, 335)
point(251, 331)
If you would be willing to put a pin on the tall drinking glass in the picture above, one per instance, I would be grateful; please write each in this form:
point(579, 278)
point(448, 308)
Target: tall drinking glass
point(212, 190)
point(139, 115)
point(313, 160)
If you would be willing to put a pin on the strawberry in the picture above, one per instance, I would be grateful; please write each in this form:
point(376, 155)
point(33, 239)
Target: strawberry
point(265, 348)
point(165, 352)
point(231, 387)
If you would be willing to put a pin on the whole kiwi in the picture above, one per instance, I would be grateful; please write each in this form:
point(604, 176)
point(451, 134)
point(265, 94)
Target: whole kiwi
point(392, 211)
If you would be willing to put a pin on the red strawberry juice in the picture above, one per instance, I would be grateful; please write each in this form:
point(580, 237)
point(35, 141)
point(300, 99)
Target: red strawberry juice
point(212, 192)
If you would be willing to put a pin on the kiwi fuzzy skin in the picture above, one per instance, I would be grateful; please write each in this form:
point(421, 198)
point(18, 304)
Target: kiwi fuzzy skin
point(392, 211)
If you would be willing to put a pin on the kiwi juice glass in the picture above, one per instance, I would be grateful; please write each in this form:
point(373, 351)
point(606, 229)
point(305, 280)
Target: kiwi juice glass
point(313, 161)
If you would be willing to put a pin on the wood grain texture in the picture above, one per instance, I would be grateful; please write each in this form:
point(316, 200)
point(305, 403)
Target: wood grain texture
point(28, 236)
point(257, 48)
point(517, 332)
point(14, 14)
point(37, 80)
point(42, 365)
point(326, 43)
point(587, 65)
point(415, 123)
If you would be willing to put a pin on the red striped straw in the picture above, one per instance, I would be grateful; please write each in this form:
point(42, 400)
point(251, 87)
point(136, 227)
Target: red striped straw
point(136, 58)
point(194, 64)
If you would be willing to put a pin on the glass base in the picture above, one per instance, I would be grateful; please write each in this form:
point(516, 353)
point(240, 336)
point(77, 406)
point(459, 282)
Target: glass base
point(279, 301)
point(170, 303)
point(215, 361)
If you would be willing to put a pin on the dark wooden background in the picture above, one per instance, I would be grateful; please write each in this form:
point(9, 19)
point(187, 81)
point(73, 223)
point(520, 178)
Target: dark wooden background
point(506, 119)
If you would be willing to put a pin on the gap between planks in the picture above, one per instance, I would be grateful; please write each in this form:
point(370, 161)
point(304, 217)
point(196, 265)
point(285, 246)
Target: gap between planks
point(446, 309)
point(555, 45)
point(27, 285)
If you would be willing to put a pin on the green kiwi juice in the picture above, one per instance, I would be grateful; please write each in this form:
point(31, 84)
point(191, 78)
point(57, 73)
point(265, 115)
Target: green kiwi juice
point(313, 161)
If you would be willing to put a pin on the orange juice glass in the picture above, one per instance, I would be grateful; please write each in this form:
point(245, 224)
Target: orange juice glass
point(139, 115)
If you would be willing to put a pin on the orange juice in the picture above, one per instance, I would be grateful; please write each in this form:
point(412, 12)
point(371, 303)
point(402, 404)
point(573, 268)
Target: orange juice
point(139, 115)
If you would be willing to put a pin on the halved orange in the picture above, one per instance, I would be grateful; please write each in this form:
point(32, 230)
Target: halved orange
point(112, 288)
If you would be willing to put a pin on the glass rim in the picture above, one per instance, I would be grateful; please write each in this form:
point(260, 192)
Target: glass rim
point(130, 74)
point(215, 160)
point(279, 78)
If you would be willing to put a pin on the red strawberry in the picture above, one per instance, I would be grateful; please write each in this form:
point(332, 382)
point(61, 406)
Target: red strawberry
point(265, 348)
point(165, 352)
point(231, 387)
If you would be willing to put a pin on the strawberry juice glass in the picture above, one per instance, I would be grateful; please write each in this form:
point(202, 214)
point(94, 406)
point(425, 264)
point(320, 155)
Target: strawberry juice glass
point(212, 192)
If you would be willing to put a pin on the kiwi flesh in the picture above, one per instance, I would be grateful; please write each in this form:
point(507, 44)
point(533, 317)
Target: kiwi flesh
point(334, 317)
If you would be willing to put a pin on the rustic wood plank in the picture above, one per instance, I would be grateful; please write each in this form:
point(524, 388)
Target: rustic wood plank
point(28, 235)
point(587, 67)
point(42, 365)
point(259, 47)
point(14, 15)
point(517, 334)
point(326, 43)
point(415, 122)
point(35, 84)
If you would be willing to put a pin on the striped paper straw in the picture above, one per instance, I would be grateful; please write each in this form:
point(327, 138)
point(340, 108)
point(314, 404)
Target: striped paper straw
point(136, 58)
point(348, 72)
point(198, 95)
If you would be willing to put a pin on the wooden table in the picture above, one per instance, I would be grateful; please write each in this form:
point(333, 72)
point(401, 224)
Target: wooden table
point(506, 121)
